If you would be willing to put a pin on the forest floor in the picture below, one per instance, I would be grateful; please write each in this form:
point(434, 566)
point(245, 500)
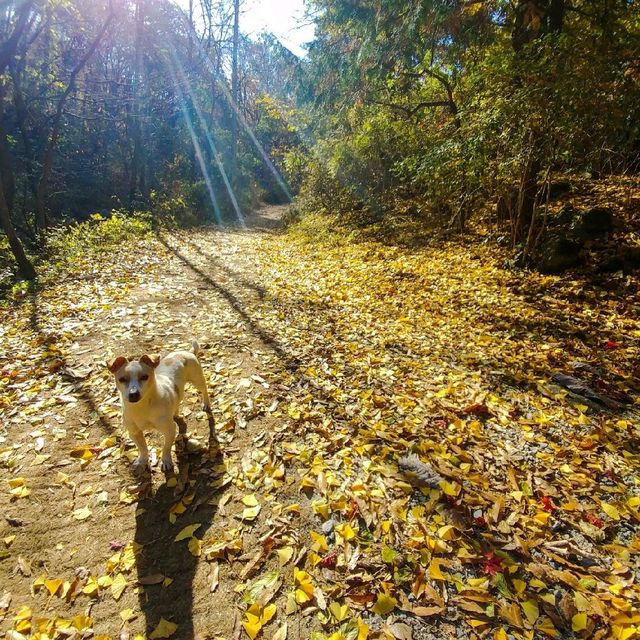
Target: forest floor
point(327, 361)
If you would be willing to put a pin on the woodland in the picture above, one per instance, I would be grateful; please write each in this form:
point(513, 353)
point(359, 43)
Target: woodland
point(411, 259)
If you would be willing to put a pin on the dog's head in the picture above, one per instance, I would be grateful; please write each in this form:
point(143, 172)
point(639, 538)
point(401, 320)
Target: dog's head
point(134, 377)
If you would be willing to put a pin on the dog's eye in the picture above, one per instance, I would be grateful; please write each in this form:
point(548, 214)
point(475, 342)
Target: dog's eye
point(144, 377)
point(123, 380)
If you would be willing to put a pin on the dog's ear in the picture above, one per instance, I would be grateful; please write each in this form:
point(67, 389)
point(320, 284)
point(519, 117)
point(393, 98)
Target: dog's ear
point(150, 361)
point(120, 361)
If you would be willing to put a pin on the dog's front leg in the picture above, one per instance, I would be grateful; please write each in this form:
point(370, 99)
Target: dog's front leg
point(142, 461)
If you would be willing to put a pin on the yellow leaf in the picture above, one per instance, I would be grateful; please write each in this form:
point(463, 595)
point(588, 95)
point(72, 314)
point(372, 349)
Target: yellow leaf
point(250, 501)
point(52, 586)
point(582, 604)
point(321, 508)
point(252, 625)
point(450, 489)
point(500, 634)
point(24, 613)
point(435, 573)
point(268, 613)
point(18, 488)
point(542, 517)
point(302, 597)
point(447, 532)
point(579, 622)
point(187, 532)
point(91, 588)
point(363, 630)
point(339, 612)
point(384, 604)
point(82, 622)
point(195, 547)
point(284, 555)
point(627, 633)
point(8, 540)
point(610, 510)
point(163, 630)
point(105, 581)
point(118, 586)
point(250, 513)
point(82, 514)
point(346, 531)
point(127, 614)
point(531, 611)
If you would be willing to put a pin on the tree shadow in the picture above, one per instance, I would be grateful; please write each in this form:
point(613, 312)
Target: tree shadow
point(290, 362)
point(166, 568)
point(260, 291)
point(80, 387)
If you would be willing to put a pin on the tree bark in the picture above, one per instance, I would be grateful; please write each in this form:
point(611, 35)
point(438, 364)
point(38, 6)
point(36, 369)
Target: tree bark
point(235, 94)
point(24, 264)
point(136, 159)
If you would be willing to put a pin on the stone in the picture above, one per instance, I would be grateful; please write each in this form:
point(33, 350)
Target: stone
point(557, 254)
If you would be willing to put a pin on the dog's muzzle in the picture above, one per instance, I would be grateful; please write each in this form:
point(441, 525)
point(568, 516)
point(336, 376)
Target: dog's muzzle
point(134, 396)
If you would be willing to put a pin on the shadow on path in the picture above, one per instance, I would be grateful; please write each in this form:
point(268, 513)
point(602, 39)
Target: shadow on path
point(291, 363)
point(199, 481)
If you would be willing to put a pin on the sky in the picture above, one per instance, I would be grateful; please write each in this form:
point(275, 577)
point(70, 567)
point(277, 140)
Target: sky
point(284, 18)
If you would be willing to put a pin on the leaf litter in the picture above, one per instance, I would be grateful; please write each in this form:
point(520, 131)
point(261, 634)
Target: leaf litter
point(408, 447)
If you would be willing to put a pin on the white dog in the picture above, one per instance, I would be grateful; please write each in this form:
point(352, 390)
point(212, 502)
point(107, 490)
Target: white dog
point(151, 391)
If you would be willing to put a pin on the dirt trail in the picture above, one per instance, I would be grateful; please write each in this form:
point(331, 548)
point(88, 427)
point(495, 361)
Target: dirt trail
point(205, 290)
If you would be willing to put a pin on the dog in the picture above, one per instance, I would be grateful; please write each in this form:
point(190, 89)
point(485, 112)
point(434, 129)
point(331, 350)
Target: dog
point(151, 390)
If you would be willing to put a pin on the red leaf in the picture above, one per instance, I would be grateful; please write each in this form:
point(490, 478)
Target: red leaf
point(593, 519)
point(329, 561)
point(492, 564)
point(547, 504)
point(477, 410)
point(612, 344)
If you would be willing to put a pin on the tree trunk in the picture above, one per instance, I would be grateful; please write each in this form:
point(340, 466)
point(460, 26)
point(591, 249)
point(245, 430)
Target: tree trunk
point(235, 95)
point(136, 159)
point(24, 264)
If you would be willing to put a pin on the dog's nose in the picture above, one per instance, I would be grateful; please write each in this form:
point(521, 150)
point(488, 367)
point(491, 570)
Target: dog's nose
point(134, 396)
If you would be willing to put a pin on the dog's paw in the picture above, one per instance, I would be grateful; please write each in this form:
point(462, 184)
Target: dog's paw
point(166, 465)
point(140, 465)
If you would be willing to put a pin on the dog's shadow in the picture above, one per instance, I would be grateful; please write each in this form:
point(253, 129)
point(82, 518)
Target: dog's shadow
point(166, 568)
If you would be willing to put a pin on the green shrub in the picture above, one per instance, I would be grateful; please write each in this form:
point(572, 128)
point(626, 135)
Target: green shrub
point(97, 235)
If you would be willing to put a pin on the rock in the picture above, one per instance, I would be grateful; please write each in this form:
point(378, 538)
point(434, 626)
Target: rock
point(631, 256)
point(557, 189)
point(611, 265)
point(594, 222)
point(627, 259)
point(557, 254)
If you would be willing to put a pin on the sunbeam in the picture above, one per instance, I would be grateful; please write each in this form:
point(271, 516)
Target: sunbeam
point(194, 140)
point(227, 94)
point(209, 137)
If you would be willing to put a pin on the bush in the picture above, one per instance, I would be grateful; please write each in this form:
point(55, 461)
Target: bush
point(96, 236)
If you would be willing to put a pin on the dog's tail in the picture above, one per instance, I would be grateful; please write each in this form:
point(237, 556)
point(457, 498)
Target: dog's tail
point(195, 347)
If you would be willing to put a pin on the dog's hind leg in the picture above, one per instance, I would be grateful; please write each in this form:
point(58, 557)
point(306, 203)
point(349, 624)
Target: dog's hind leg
point(197, 379)
point(169, 432)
